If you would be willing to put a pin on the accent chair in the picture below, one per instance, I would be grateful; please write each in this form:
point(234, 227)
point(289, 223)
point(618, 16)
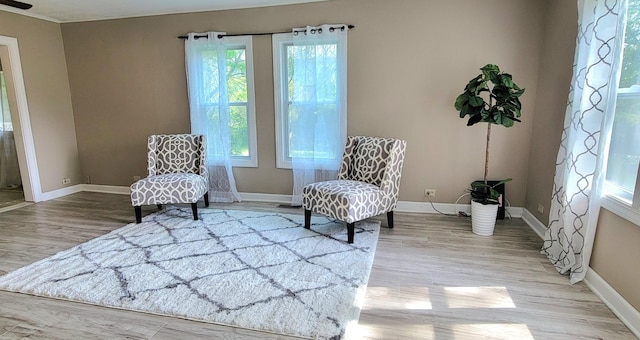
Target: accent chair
point(367, 185)
point(177, 173)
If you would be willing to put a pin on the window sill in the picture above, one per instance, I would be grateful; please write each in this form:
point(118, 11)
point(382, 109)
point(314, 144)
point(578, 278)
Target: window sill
point(621, 209)
point(244, 163)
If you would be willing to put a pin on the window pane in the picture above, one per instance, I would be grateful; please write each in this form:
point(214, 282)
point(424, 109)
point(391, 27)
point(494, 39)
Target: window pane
point(630, 73)
point(624, 152)
point(239, 126)
point(315, 92)
point(210, 77)
point(237, 75)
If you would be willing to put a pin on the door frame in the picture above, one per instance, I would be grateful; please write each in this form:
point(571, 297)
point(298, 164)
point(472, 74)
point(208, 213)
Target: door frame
point(25, 146)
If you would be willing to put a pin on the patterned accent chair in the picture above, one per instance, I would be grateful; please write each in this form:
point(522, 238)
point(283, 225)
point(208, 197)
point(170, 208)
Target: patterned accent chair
point(178, 173)
point(367, 185)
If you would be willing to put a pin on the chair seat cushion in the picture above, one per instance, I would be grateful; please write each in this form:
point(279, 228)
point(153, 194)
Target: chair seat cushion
point(169, 188)
point(345, 200)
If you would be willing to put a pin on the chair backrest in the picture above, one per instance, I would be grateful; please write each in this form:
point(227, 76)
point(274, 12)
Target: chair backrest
point(374, 160)
point(182, 153)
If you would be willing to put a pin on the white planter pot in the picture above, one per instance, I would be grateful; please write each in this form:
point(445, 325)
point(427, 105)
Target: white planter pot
point(483, 218)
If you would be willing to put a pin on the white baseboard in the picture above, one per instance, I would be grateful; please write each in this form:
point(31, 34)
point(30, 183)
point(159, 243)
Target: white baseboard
point(49, 195)
point(271, 198)
point(107, 189)
point(403, 206)
point(618, 305)
point(534, 223)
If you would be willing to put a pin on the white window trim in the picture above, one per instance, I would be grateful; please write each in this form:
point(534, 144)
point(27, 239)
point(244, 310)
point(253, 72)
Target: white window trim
point(621, 208)
point(278, 42)
point(612, 198)
point(252, 160)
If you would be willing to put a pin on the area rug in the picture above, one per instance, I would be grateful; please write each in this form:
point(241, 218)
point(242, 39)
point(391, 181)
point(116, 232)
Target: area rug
point(254, 270)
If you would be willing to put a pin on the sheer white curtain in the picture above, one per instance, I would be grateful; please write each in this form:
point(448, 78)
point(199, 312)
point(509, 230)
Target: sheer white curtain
point(206, 64)
point(318, 104)
point(589, 117)
point(9, 169)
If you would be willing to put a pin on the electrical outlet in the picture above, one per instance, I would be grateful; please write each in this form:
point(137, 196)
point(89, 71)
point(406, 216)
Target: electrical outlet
point(540, 208)
point(66, 180)
point(430, 192)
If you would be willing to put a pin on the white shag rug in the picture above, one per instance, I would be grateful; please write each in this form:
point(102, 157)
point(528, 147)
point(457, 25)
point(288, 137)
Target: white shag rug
point(254, 270)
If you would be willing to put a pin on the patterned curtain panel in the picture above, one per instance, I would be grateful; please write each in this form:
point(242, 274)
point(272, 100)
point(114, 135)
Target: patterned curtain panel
point(579, 174)
point(209, 105)
point(318, 107)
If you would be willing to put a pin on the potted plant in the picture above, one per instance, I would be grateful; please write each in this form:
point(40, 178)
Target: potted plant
point(493, 98)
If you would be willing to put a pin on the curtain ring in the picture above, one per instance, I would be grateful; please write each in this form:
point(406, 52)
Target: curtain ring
point(342, 28)
point(220, 36)
point(295, 32)
point(313, 31)
point(195, 37)
point(331, 29)
point(319, 30)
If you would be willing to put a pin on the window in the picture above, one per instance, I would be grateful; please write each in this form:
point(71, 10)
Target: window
point(5, 117)
point(242, 113)
point(622, 180)
point(328, 97)
point(240, 93)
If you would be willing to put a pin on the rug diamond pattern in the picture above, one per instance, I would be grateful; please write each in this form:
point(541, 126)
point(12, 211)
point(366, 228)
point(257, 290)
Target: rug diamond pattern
point(256, 270)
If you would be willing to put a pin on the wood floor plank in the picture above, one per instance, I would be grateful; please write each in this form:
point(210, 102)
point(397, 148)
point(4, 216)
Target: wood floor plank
point(431, 279)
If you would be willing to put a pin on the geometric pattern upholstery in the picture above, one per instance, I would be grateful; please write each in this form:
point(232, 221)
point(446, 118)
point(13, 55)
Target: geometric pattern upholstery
point(368, 183)
point(177, 173)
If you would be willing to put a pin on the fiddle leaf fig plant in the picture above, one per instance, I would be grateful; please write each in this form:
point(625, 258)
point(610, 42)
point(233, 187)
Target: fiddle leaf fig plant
point(493, 98)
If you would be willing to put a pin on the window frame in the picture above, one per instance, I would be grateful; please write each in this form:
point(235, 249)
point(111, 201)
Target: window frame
point(280, 42)
point(615, 198)
point(246, 43)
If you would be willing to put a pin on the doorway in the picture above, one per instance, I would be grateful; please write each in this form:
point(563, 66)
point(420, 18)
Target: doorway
point(11, 191)
point(20, 124)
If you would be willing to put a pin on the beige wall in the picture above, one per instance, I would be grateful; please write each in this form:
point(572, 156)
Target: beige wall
point(616, 253)
point(47, 87)
point(556, 69)
point(408, 60)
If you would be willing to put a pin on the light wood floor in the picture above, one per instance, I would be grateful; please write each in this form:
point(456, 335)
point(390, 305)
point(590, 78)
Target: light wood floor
point(431, 279)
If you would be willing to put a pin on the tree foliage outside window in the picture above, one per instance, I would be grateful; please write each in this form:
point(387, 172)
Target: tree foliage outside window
point(238, 101)
point(326, 68)
point(237, 96)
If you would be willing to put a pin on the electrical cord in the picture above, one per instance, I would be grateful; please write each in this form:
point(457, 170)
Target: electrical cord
point(506, 208)
point(455, 206)
point(460, 214)
point(436, 209)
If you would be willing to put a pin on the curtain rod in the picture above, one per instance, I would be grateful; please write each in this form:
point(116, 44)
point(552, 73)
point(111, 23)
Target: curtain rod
point(261, 33)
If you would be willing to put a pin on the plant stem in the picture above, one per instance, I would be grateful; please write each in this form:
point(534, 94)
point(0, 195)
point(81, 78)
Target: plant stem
point(486, 155)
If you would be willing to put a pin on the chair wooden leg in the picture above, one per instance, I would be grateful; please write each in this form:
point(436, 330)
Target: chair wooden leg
point(390, 219)
point(159, 206)
point(138, 211)
point(206, 199)
point(307, 219)
point(350, 232)
point(194, 208)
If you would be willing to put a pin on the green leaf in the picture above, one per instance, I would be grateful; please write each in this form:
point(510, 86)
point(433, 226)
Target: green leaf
point(461, 101)
point(474, 119)
point(476, 101)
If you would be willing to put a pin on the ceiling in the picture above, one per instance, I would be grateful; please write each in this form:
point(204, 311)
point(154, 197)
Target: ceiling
point(84, 10)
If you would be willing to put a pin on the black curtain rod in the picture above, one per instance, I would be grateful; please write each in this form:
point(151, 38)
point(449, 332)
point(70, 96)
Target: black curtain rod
point(262, 33)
